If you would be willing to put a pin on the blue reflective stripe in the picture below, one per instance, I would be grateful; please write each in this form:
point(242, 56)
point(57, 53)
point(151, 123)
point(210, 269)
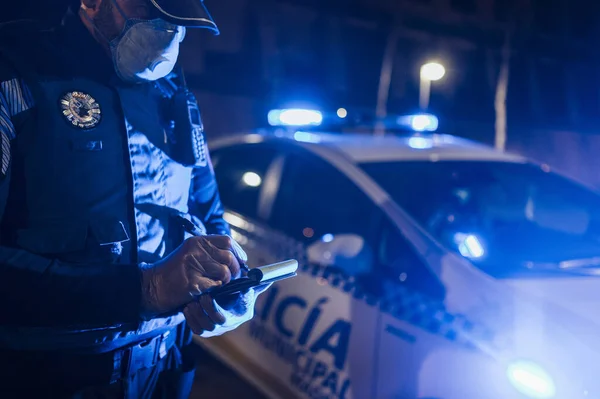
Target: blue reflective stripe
point(15, 97)
point(6, 125)
point(5, 152)
point(401, 303)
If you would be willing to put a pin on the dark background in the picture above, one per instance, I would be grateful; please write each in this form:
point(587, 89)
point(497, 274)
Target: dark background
point(329, 53)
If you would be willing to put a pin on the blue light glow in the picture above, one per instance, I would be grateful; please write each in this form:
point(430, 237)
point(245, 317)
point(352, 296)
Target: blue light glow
point(420, 122)
point(294, 117)
point(531, 380)
point(327, 238)
point(251, 179)
point(420, 143)
point(307, 137)
point(469, 245)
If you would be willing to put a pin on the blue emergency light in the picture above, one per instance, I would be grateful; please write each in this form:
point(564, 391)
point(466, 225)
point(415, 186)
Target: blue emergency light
point(419, 122)
point(299, 117)
point(295, 117)
point(531, 380)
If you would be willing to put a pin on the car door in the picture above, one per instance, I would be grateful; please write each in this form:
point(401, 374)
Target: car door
point(328, 221)
point(413, 325)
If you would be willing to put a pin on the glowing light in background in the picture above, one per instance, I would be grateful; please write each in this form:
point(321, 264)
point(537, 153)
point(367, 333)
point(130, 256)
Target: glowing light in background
point(327, 238)
point(469, 245)
point(342, 113)
point(251, 179)
point(294, 117)
point(307, 137)
point(419, 143)
point(433, 71)
point(237, 221)
point(308, 232)
point(419, 122)
point(531, 380)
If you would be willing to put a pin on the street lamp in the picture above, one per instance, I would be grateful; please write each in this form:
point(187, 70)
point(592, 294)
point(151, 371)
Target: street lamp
point(430, 72)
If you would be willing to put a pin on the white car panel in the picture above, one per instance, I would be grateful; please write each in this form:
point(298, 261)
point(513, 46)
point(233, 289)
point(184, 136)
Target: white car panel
point(319, 336)
point(362, 148)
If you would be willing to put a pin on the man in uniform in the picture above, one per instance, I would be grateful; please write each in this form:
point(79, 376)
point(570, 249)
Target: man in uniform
point(103, 163)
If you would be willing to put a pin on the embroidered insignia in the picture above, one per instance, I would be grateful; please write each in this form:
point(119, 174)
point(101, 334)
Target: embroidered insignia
point(81, 109)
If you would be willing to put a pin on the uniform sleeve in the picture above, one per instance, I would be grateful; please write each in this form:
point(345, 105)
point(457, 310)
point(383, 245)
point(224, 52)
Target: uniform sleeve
point(205, 201)
point(38, 291)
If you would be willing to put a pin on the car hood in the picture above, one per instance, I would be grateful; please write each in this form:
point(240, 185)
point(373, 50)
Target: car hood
point(553, 322)
point(577, 295)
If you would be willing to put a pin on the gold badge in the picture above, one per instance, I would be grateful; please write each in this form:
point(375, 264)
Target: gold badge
point(81, 109)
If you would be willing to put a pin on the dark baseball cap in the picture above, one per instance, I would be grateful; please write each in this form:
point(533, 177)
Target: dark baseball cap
point(188, 13)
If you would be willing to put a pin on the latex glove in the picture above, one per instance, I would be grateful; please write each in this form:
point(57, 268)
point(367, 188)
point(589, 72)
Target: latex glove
point(208, 318)
point(238, 251)
point(197, 265)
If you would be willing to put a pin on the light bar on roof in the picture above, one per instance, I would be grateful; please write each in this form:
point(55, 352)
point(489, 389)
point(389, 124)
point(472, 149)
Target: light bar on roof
point(295, 117)
point(419, 122)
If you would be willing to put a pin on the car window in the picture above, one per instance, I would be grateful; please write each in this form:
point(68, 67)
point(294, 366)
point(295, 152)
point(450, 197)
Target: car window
point(512, 220)
point(319, 206)
point(316, 201)
point(240, 171)
point(400, 264)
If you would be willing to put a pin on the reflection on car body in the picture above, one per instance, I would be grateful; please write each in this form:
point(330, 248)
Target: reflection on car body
point(431, 267)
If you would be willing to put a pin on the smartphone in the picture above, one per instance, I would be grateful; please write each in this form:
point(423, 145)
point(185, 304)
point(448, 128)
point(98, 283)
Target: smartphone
point(257, 276)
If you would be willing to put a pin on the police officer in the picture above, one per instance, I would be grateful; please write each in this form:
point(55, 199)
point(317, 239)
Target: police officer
point(103, 163)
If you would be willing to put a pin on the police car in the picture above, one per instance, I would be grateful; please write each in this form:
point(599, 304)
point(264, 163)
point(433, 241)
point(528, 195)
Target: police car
point(431, 267)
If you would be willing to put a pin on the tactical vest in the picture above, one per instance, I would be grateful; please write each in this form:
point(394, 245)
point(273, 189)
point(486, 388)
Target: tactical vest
point(99, 167)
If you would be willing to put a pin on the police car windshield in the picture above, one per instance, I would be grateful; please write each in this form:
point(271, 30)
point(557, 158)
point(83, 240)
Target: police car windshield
point(510, 219)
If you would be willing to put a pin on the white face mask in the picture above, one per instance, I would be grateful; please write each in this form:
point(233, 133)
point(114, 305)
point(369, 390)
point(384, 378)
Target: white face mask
point(146, 50)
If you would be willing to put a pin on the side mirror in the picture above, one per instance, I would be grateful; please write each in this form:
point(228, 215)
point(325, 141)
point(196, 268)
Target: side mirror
point(348, 252)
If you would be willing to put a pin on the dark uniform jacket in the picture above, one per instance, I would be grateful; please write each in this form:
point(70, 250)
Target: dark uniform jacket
point(93, 172)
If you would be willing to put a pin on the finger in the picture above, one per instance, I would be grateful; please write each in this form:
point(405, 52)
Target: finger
point(203, 262)
point(197, 319)
point(191, 319)
point(201, 284)
point(228, 243)
point(238, 251)
point(235, 267)
point(220, 241)
point(224, 256)
point(209, 306)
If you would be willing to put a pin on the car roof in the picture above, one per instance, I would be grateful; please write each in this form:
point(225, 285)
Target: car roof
point(363, 148)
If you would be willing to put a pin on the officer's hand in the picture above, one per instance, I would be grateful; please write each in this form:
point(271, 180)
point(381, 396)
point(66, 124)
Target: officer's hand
point(239, 253)
point(197, 265)
point(209, 318)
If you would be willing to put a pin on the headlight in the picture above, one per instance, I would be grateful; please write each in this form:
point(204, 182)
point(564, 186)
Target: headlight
point(530, 379)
